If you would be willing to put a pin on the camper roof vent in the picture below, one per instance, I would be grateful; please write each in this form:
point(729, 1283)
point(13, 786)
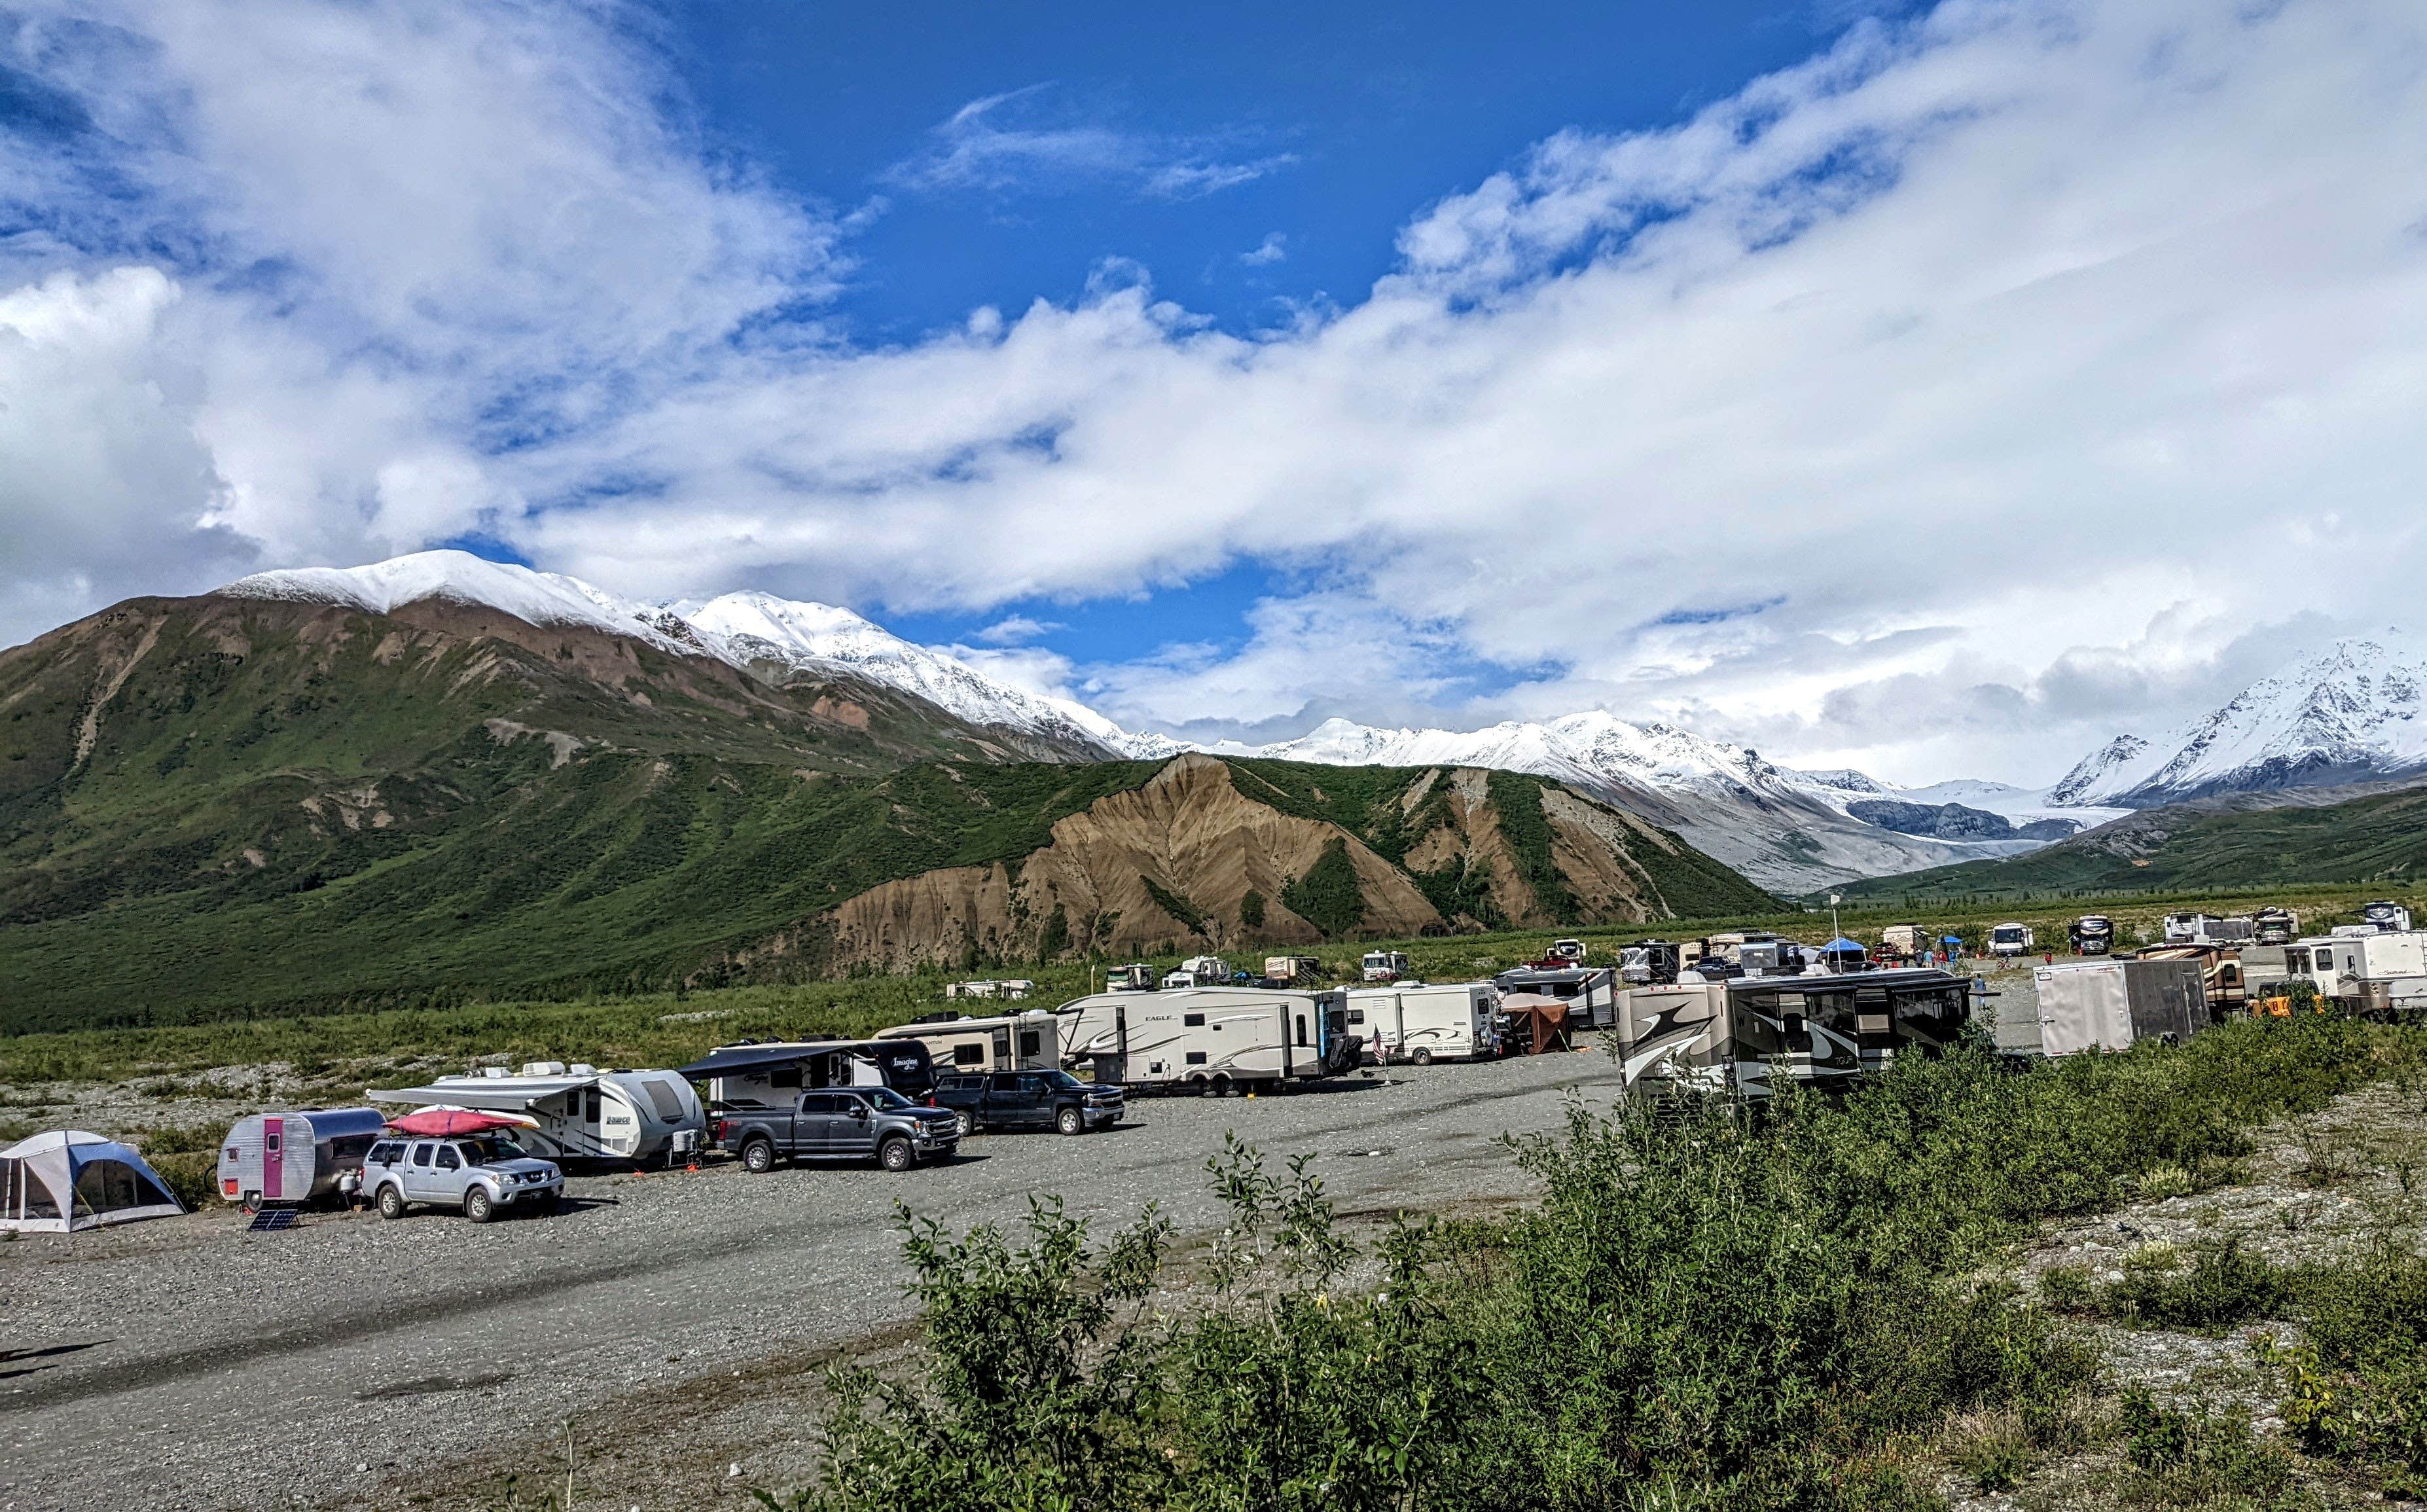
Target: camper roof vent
point(584, 1069)
point(544, 1068)
point(493, 1070)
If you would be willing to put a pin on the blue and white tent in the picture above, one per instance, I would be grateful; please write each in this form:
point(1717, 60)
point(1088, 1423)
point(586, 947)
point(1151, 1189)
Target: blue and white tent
point(68, 1181)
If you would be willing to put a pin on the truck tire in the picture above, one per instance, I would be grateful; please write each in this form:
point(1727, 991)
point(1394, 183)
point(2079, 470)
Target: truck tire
point(1422, 1055)
point(391, 1201)
point(895, 1154)
point(963, 1123)
point(1070, 1121)
point(477, 1205)
point(758, 1157)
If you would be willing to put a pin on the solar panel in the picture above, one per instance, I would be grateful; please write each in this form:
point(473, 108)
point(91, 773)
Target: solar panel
point(271, 1220)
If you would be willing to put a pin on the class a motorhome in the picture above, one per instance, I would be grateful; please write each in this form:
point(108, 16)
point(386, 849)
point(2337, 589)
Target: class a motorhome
point(578, 1112)
point(2012, 939)
point(1589, 992)
point(2386, 916)
point(2092, 934)
point(774, 1073)
point(1411, 1022)
point(2114, 1004)
point(1215, 1040)
point(2274, 926)
point(1643, 964)
point(1383, 965)
point(2220, 968)
point(1568, 951)
point(1007, 1042)
point(1739, 1037)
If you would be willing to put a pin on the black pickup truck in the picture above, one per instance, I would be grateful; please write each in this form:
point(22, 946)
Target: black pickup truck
point(840, 1121)
point(1028, 1100)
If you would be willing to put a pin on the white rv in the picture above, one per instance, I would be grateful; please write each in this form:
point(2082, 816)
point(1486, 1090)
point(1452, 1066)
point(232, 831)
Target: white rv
point(578, 1111)
point(2390, 918)
point(1411, 1022)
point(1588, 992)
point(1135, 976)
point(1218, 1040)
point(2011, 939)
point(1207, 971)
point(1383, 965)
point(1010, 1042)
point(2188, 929)
point(2343, 965)
point(774, 1073)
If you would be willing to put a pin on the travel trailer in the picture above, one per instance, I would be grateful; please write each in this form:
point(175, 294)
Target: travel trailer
point(1009, 1042)
point(288, 1159)
point(2386, 916)
point(1013, 988)
point(2092, 934)
point(774, 1073)
point(1652, 961)
point(1568, 950)
point(1215, 1040)
point(2275, 926)
point(1588, 992)
point(2343, 965)
point(1207, 971)
point(2114, 1004)
point(1771, 958)
point(1383, 965)
point(1138, 976)
point(583, 1112)
point(1740, 1037)
point(1291, 970)
point(2220, 968)
point(1422, 1024)
point(2011, 939)
point(1901, 943)
point(2184, 929)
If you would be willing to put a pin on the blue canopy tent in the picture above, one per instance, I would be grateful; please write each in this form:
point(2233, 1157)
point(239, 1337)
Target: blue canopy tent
point(69, 1180)
point(1842, 954)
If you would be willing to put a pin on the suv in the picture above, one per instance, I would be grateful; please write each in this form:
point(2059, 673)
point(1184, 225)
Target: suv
point(861, 1121)
point(1030, 1100)
point(484, 1177)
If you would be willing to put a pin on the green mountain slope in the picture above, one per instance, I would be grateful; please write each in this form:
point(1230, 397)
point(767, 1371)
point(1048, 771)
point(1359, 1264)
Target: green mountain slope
point(2220, 843)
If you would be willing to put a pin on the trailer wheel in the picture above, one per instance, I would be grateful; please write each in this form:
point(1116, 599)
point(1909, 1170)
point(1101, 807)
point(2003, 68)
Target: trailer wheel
point(391, 1201)
point(1225, 1087)
point(1422, 1055)
point(1069, 1121)
point(477, 1206)
point(1200, 1086)
point(895, 1154)
point(248, 1204)
point(758, 1157)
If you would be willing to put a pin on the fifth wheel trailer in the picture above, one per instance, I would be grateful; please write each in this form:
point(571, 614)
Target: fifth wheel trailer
point(1213, 1039)
point(1423, 1024)
point(2114, 1004)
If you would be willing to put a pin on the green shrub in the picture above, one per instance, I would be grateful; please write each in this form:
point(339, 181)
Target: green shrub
point(2196, 1459)
point(2223, 1286)
point(2357, 1388)
point(1329, 895)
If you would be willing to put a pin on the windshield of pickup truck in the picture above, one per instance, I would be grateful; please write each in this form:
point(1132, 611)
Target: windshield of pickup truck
point(885, 1097)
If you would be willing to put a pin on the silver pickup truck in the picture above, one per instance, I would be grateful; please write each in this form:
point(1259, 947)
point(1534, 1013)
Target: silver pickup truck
point(482, 1176)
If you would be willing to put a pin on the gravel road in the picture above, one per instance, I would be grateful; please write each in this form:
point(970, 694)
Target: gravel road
point(355, 1362)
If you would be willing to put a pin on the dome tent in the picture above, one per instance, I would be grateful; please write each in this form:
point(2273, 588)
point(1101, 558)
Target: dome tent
point(67, 1180)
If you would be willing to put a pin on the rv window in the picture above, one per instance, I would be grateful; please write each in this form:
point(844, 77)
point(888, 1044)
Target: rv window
point(590, 1106)
point(968, 1055)
point(1356, 1015)
point(1029, 1044)
point(421, 1156)
point(449, 1160)
point(274, 1141)
point(1301, 1029)
point(785, 1077)
point(1196, 1057)
point(231, 1152)
point(1192, 1021)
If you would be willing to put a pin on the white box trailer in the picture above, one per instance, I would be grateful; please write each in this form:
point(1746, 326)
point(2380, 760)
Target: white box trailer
point(1213, 1039)
point(289, 1159)
point(1007, 1042)
point(2113, 1004)
point(1420, 1023)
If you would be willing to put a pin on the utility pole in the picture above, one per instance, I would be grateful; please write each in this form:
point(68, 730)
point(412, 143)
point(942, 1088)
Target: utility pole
point(1835, 933)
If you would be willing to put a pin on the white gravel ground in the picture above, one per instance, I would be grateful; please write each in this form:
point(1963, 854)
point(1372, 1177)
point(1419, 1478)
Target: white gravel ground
point(353, 1362)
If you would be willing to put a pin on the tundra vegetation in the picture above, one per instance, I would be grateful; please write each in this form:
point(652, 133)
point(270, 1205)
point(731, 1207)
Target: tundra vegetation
point(1705, 1311)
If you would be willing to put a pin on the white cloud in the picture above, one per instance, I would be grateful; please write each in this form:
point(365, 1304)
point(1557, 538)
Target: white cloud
point(2010, 373)
point(1016, 629)
point(1013, 139)
point(1273, 249)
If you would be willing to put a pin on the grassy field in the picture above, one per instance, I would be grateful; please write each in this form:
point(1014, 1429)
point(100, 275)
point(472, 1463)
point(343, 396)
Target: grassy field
point(668, 1029)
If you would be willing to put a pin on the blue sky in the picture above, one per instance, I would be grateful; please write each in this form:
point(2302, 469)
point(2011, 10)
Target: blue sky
point(1930, 390)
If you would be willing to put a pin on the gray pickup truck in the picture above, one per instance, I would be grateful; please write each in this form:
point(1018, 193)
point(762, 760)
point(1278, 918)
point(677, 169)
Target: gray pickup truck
point(485, 1178)
point(840, 1122)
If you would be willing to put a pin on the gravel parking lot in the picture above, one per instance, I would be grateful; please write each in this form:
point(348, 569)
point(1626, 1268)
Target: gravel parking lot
point(355, 1362)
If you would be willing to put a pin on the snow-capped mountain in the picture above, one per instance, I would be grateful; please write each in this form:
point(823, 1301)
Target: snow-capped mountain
point(1787, 829)
point(742, 629)
point(2347, 714)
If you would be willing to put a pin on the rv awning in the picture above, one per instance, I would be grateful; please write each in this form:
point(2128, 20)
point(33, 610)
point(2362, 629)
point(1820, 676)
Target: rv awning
point(752, 1057)
point(516, 1094)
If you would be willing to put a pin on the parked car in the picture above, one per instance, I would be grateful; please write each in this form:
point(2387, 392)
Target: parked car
point(1031, 1099)
point(482, 1176)
point(839, 1122)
